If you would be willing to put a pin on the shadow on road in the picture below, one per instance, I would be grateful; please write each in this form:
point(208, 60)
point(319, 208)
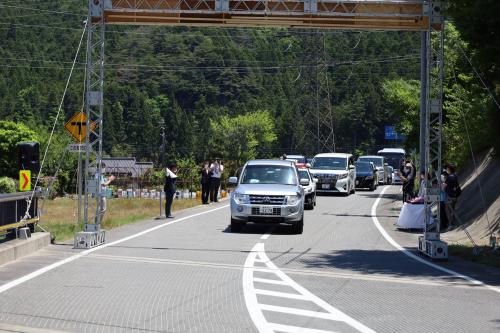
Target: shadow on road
point(255, 228)
point(391, 196)
point(391, 263)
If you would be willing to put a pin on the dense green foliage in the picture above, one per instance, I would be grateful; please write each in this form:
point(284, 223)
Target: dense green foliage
point(479, 25)
point(7, 185)
point(11, 134)
point(194, 77)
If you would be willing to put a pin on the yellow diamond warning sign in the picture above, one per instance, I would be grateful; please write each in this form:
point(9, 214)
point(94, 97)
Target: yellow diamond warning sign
point(77, 126)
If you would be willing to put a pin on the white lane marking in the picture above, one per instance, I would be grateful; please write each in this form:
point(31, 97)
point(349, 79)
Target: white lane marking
point(279, 294)
point(391, 241)
point(255, 308)
point(265, 236)
point(50, 267)
point(300, 312)
point(296, 329)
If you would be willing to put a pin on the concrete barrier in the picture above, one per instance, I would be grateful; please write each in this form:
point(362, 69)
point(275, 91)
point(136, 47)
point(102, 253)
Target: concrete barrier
point(18, 248)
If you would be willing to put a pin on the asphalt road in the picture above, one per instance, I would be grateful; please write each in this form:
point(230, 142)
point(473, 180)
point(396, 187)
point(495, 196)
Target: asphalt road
point(194, 275)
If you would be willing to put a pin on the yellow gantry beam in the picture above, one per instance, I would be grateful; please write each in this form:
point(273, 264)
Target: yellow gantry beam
point(408, 15)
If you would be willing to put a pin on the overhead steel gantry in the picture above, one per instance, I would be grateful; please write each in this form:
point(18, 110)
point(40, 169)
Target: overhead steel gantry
point(402, 15)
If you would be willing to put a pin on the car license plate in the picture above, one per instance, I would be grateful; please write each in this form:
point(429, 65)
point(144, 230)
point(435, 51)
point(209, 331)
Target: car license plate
point(266, 210)
point(325, 186)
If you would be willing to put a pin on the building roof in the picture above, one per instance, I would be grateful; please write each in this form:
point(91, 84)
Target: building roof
point(126, 165)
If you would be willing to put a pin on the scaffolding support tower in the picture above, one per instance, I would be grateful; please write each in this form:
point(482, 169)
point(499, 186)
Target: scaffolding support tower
point(92, 234)
point(430, 243)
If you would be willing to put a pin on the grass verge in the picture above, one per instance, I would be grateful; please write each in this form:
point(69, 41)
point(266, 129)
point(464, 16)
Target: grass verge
point(486, 255)
point(59, 216)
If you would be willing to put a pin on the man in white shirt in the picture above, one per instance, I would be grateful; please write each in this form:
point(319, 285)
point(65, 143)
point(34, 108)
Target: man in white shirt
point(217, 169)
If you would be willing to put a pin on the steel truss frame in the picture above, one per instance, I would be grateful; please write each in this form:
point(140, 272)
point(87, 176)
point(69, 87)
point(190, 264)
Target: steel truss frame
point(316, 113)
point(386, 14)
point(94, 110)
point(429, 243)
point(409, 15)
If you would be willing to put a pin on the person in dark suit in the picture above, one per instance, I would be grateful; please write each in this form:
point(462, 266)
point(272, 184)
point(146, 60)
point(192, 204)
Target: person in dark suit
point(206, 174)
point(170, 188)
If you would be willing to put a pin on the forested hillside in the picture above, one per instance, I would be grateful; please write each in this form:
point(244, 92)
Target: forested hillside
point(195, 77)
point(199, 80)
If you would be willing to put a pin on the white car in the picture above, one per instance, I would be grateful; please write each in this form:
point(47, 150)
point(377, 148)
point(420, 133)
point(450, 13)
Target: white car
point(309, 190)
point(335, 172)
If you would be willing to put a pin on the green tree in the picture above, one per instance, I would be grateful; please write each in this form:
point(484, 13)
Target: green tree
point(11, 134)
point(244, 137)
point(404, 98)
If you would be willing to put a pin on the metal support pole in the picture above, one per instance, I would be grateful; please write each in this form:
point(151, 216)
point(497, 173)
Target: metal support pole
point(94, 108)
point(79, 180)
point(423, 98)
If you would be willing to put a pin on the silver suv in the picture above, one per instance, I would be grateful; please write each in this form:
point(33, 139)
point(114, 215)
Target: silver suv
point(270, 192)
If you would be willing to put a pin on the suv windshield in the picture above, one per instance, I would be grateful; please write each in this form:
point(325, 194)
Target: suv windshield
point(363, 166)
point(329, 163)
point(375, 160)
point(303, 174)
point(269, 174)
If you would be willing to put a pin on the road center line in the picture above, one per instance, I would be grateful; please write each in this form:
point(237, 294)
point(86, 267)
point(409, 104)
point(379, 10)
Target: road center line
point(50, 267)
point(391, 241)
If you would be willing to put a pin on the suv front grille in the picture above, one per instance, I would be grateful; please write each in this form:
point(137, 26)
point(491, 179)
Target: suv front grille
point(326, 179)
point(267, 199)
point(276, 212)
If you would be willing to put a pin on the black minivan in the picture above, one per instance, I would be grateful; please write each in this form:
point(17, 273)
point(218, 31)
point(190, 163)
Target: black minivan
point(366, 175)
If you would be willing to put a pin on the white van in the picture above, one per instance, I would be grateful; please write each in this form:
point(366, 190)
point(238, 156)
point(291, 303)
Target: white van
point(335, 173)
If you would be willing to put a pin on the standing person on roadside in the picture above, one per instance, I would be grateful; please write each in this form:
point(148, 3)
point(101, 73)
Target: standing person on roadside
point(170, 188)
point(206, 174)
point(442, 204)
point(408, 178)
point(453, 191)
point(102, 195)
point(217, 169)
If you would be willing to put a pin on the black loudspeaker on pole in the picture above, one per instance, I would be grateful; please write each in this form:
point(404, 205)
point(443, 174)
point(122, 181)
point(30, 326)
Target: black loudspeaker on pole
point(29, 156)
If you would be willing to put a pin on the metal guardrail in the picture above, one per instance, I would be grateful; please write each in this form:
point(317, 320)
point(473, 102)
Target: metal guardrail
point(13, 208)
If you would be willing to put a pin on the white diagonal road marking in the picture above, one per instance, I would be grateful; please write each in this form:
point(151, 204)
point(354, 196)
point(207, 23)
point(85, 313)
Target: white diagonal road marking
point(255, 308)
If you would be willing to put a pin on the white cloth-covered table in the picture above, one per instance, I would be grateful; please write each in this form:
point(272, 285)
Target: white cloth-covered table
point(412, 216)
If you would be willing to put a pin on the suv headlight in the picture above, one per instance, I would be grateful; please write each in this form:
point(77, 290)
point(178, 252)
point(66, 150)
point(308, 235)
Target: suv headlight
point(343, 175)
point(369, 177)
point(241, 198)
point(292, 199)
